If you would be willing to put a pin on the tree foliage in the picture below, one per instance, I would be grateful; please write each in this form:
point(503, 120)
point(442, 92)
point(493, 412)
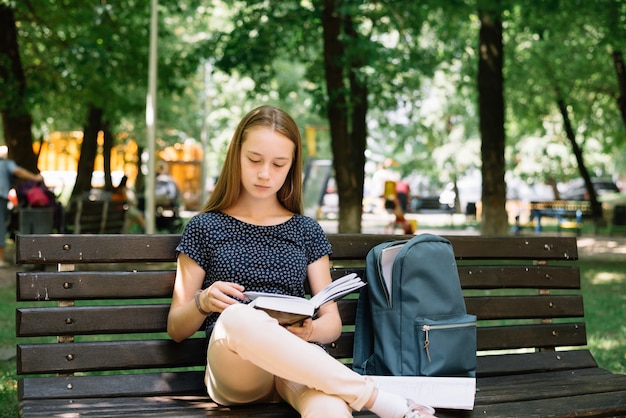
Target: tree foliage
point(389, 78)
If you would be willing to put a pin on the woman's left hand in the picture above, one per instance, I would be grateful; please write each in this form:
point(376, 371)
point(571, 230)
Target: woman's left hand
point(303, 330)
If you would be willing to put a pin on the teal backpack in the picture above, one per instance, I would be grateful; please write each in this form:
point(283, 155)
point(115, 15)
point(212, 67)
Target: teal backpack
point(411, 318)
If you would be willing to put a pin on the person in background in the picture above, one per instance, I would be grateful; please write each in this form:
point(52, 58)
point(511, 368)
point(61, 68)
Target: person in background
point(251, 236)
point(403, 192)
point(9, 169)
point(383, 186)
point(134, 217)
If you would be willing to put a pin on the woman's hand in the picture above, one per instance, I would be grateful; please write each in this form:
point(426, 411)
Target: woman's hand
point(220, 295)
point(303, 330)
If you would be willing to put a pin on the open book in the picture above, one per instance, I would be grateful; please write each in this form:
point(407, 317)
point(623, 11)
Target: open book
point(289, 310)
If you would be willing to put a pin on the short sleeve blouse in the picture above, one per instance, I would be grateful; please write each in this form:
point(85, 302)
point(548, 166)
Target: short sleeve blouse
point(270, 259)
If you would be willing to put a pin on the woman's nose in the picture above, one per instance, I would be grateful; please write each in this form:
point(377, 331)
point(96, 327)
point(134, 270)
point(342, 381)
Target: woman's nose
point(264, 172)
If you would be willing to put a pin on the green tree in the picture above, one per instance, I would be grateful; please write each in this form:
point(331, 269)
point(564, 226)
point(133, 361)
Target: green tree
point(87, 66)
point(368, 54)
point(562, 84)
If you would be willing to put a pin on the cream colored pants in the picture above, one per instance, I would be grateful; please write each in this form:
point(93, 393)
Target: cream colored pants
point(253, 359)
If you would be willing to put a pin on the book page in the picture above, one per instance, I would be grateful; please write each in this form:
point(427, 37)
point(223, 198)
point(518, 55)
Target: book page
point(253, 295)
point(286, 318)
point(293, 305)
point(438, 392)
point(337, 289)
point(387, 257)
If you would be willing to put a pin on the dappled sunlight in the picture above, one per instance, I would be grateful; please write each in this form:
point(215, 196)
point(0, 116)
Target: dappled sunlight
point(605, 343)
point(605, 247)
point(605, 277)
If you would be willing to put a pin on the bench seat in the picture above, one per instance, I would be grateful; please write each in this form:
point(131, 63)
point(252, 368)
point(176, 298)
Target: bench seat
point(92, 339)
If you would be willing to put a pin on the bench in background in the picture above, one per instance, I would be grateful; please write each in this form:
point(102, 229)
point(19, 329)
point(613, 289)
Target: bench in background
point(84, 216)
point(569, 215)
point(98, 344)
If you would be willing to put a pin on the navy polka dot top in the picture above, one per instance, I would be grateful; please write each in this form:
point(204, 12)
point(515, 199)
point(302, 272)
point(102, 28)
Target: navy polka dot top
point(261, 258)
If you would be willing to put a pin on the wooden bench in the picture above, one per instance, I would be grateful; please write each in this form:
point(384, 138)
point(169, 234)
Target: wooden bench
point(84, 216)
point(92, 338)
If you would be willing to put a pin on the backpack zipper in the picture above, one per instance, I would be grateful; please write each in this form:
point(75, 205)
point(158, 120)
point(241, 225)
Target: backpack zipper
point(427, 328)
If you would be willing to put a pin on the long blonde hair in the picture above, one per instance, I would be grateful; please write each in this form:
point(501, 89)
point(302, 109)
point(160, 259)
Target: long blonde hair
point(228, 186)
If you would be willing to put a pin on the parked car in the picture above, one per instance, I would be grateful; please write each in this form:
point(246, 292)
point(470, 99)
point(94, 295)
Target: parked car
point(577, 190)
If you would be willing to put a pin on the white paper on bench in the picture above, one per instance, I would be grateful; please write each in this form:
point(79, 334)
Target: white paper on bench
point(438, 392)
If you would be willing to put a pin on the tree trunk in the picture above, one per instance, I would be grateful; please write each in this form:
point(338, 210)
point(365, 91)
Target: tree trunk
point(494, 219)
point(618, 62)
point(16, 119)
point(596, 207)
point(350, 218)
point(348, 148)
point(88, 151)
point(106, 154)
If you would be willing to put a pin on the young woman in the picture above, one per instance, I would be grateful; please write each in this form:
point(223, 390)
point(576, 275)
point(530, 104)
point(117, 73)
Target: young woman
point(251, 235)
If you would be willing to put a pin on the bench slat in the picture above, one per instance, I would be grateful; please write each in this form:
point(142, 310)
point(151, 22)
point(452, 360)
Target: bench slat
point(128, 355)
point(113, 355)
point(37, 248)
point(86, 285)
point(101, 248)
point(87, 320)
point(510, 337)
point(522, 277)
point(109, 355)
point(525, 307)
point(143, 384)
point(520, 248)
point(612, 404)
point(531, 336)
point(540, 361)
point(584, 392)
point(120, 319)
point(76, 285)
point(526, 387)
point(158, 406)
point(355, 246)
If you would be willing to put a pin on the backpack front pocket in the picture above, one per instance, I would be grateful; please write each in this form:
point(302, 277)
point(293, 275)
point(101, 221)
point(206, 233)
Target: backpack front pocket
point(447, 345)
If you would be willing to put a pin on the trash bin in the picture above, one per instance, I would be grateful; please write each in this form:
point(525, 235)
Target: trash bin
point(36, 220)
point(470, 209)
point(619, 215)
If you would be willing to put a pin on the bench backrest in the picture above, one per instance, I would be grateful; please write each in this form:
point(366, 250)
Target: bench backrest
point(105, 309)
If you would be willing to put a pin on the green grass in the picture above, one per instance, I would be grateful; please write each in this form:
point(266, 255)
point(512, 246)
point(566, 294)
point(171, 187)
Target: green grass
point(603, 287)
point(8, 389)
point(8, 377)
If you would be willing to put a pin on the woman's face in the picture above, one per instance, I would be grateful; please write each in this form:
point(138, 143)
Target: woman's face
point(266, 157)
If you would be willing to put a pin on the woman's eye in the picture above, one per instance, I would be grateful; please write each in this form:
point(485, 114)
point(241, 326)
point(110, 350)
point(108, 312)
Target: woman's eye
point(254, 161)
